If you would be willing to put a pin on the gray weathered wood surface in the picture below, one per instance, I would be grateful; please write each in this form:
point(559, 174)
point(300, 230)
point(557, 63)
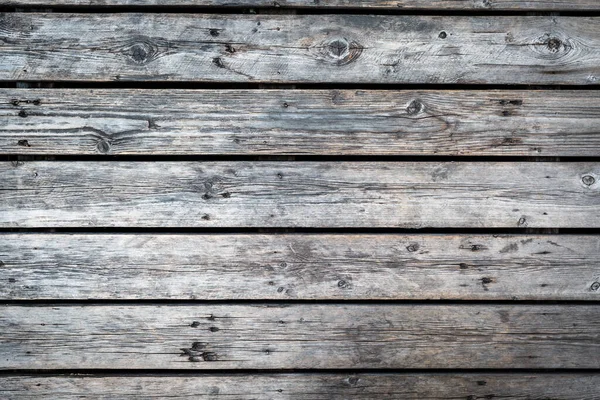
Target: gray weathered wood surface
point(217, 336)
point(318, 313)
point(299, 194)
point(300, 48)
point(302, 386)
point(554, 5)
point(322, 122)
point(299, 266)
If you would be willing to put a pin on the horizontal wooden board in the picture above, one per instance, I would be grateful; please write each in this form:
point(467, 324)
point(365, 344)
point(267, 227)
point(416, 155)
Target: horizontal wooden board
point(300, 48)
point(315, 122)
point(304, 386)
point(299, 266)
point(299, 194)
point(517, 5)
point(217, 336)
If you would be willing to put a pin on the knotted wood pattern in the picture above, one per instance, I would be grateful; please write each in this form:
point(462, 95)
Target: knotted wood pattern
point(301, 48)
point(299, 199)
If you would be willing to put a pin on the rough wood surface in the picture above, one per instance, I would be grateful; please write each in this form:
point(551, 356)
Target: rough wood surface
point(300, 48)
point(518, 5)
point(303, 386)
point(299, 194)
point(322, 122)
point(216, 336)
point(299, 266)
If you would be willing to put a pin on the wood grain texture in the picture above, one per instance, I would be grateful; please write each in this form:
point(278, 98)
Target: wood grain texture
point(299, 194)
point(554, 5)
point(300, 48)
point(303, 386)
point(299, 266)
point(314, 122)
point(216, 336)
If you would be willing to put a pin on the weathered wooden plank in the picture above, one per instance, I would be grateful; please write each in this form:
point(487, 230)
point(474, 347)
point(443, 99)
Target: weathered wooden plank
point(217, 336)
point(299, 194)
point(300, 266)
point(554, 5)
point(322, 122)
point(301, 48)
point(304, 386)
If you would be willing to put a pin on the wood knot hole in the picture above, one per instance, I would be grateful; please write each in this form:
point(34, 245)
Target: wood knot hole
point(412, 247)
point(342, 284)
point(554, 44)
point(103, 146)
point(414, 107)
point(588, 180)
point(343, 52)
point(337, 48)
point(141, 51)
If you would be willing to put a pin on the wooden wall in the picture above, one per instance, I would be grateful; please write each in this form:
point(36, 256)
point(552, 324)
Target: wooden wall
point(299, 199)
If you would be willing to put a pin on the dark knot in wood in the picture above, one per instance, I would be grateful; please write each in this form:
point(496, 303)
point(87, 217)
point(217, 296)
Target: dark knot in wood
point(343, 52)
point(414, 107)
point(588, 180)
point(553, 44)
point(412, 247)
point(141, 50)
point(197, 353)
point(553, 47)
point(342, 284)
point(337, 48)
point(103, 146)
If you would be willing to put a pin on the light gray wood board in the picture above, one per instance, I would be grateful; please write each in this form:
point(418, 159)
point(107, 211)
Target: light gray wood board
point(299, 194)
point(315, 122)
point(299, 266)
point(300, 48)
point(517, 5)
point(217, 336)
point(304, 386)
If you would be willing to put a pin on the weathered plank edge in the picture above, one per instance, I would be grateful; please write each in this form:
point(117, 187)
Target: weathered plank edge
point(301, 194)
point(299, 122)
point(304, 336)
point(368, 386)
point(280, 49)
point(299, 266)
point(466, 5)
